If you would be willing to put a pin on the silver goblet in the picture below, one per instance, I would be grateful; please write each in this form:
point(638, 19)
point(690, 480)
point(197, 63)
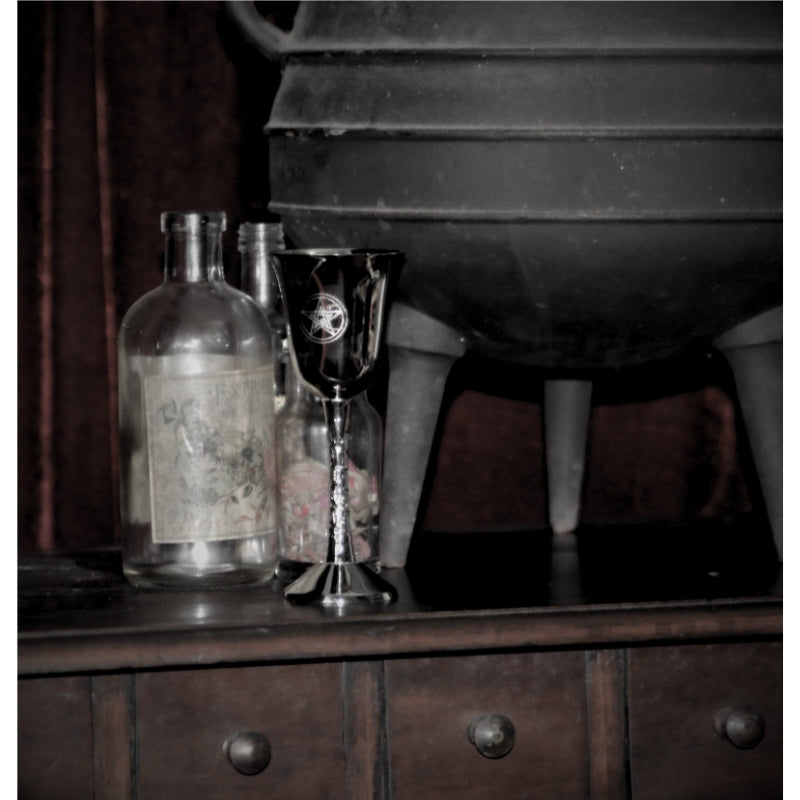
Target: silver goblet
point(335, 306)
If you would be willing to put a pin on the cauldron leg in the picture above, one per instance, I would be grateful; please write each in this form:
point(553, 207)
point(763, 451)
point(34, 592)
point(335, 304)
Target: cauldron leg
point(567, 405)
point(755, 352)
point(421, 353)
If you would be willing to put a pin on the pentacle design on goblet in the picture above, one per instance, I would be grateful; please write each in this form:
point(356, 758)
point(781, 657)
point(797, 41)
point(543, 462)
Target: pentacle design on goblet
point(324, 318)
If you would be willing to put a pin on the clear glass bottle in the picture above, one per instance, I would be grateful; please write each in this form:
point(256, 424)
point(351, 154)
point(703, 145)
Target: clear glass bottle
point(304, 475)
point(196, 414)
point(255, 242)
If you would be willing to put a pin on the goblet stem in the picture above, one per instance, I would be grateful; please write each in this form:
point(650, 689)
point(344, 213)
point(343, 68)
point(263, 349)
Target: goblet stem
point(340, 580)
point(340, 542)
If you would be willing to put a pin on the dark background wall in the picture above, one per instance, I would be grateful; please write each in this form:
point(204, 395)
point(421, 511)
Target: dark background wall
point(128, 109)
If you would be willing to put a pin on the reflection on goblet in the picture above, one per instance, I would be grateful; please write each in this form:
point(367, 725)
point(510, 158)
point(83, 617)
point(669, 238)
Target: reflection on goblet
point(335, 304)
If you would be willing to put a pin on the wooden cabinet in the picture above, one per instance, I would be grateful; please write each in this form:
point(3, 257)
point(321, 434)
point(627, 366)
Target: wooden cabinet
point(677, 693)
point(432, 701)
point(54, 738)
point(187, 719)
point(151, 695)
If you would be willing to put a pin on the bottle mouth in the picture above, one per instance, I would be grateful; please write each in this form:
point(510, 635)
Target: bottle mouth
point(260, 235)
point(192, 221)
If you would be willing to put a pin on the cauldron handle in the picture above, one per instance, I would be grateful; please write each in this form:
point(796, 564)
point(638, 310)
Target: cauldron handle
point(260, 32)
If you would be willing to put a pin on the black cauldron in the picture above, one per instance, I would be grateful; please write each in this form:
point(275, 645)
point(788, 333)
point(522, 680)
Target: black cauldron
point(575, 185)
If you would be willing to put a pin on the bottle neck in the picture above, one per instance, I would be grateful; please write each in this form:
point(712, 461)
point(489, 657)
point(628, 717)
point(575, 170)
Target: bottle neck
point(296, 392)
point(256, 241)
point(193, 247)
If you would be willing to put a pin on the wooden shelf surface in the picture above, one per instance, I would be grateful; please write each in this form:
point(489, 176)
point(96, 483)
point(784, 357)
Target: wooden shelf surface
point(76, 613)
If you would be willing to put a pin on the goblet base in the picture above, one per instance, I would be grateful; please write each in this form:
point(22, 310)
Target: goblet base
point(332, 584)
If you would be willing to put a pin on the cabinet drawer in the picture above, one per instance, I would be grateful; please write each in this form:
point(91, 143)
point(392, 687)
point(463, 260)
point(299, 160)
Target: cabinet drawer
point(431, 703)
point(54, 744)
point(185, 718)
point(675, 695)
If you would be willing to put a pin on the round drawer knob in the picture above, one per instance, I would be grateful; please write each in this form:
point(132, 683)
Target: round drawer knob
point(249, 752)
point(742, 727)
point(492, 735)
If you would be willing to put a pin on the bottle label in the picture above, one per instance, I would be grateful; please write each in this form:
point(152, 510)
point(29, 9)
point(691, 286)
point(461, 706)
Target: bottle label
point(210, 447)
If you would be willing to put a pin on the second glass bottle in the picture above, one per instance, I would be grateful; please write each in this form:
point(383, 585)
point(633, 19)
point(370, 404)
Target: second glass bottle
point(301, 436)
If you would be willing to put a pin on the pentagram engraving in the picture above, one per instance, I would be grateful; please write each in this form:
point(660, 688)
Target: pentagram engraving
point(324, 318)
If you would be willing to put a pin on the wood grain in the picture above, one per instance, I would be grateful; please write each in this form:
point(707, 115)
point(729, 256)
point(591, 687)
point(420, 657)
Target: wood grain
point(54, 738)
point(432, 701)
point(675, 693)
point(605, 700)
point(113, 738)
point(365, 731)
point(185, 717)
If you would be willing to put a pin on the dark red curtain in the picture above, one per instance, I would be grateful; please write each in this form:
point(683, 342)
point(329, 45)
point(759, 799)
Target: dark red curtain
point(128, 109)
point(125, 110)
